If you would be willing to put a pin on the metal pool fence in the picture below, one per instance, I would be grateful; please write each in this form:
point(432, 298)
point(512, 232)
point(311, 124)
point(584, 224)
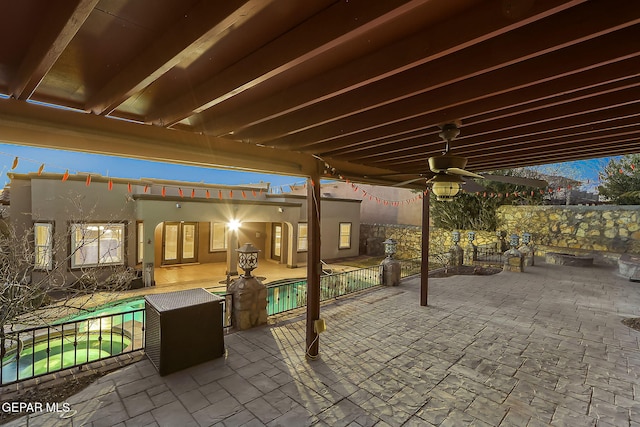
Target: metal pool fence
point(289, 295)
point(45, 349)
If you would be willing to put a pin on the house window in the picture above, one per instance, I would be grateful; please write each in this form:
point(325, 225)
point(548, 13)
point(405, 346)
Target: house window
point(43, 235)
point(218, 236)
point(95, 244)
point(140, 240)
point(345, 235)
point(303, 242)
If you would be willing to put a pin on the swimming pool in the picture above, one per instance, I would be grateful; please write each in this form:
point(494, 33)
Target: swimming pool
point(116, 307)
point(106, 331)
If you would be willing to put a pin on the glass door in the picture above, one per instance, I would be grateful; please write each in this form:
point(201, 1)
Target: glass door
point(179, 242)
point(276, 242)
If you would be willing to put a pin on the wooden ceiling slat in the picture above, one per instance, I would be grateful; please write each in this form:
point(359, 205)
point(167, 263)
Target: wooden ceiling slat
point(339, 24)
point(604, 97)
point(458, 68)
point(475, 25)
point(468, 97)
point(51, 40)
point(201, 27)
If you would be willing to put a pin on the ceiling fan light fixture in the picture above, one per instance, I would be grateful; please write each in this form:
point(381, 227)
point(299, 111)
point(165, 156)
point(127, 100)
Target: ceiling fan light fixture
point(445, 187)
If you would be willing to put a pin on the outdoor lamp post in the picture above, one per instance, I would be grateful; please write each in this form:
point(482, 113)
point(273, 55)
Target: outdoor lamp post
point(390, 247)
point(248, 258)
point(471, 236)
point(513, 259)
point(390, 267)
point(527, 249)
point(456, 253)
point(471, 251)
point(249, 294)
point(514, 240)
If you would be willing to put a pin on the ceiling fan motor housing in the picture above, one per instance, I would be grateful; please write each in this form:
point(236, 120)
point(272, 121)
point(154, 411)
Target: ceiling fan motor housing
point(446, 161)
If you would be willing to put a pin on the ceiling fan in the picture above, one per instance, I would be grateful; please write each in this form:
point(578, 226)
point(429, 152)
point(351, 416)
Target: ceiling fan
point(449, 170)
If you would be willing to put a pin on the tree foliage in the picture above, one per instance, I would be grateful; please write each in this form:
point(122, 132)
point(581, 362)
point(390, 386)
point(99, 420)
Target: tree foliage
point(477, 211)
point(31, 296)
point(620, 180)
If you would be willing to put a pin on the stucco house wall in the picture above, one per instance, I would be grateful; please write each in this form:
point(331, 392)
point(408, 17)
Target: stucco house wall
point(50, 198)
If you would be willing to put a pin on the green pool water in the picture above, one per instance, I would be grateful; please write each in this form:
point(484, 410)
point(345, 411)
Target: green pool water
point(62, 354)
point(110, 309)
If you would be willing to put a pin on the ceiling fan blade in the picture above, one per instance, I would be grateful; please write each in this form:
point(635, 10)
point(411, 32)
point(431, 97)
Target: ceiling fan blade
point(462, 172)
point(518, 180)
point(472, 187)
point(400, 184)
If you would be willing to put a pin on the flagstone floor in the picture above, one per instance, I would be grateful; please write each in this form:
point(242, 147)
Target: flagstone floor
point(543, 347)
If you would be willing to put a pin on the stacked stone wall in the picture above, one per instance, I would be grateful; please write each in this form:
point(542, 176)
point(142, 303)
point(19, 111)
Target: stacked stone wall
point(612, 230)
point(608, 231)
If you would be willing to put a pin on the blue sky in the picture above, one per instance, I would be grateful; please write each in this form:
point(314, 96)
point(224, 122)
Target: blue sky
point(57, 161)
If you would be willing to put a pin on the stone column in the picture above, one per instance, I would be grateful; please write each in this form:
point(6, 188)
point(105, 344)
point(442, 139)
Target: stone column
point(513, 259)
point(249, 302)
point(390, 272)
point(456, 253)
point(471, 251)
point(391, 268)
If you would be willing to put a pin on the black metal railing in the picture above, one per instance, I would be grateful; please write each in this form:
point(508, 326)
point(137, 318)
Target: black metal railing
point(410, 267)
point(42, 350)
point(488, 255)
point(292, 294)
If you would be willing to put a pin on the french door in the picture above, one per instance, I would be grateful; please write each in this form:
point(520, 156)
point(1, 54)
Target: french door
point(276, 242)
point(179, 242)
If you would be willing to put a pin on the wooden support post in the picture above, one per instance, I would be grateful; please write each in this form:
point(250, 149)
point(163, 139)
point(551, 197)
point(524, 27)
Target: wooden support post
point(313, 264)
point(424, 266)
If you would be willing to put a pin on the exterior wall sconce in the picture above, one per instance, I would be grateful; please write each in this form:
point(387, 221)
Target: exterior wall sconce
point(233, 225)
point(390, 248)
point(471, 236)
point(178, 205)
point(526, 238)
point(248, 258)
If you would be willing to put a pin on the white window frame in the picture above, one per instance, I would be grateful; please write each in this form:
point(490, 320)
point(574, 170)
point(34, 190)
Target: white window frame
point(344, 230)
point(303, 237)
point(88, 240)
point(214, 236)
point(140, 241)
point(43, 248)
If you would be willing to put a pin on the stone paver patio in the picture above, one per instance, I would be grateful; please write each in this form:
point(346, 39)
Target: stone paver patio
point(515, 349)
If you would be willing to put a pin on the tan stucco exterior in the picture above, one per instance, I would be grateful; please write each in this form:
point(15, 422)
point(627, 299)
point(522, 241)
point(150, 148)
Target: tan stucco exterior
point(50, 198)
